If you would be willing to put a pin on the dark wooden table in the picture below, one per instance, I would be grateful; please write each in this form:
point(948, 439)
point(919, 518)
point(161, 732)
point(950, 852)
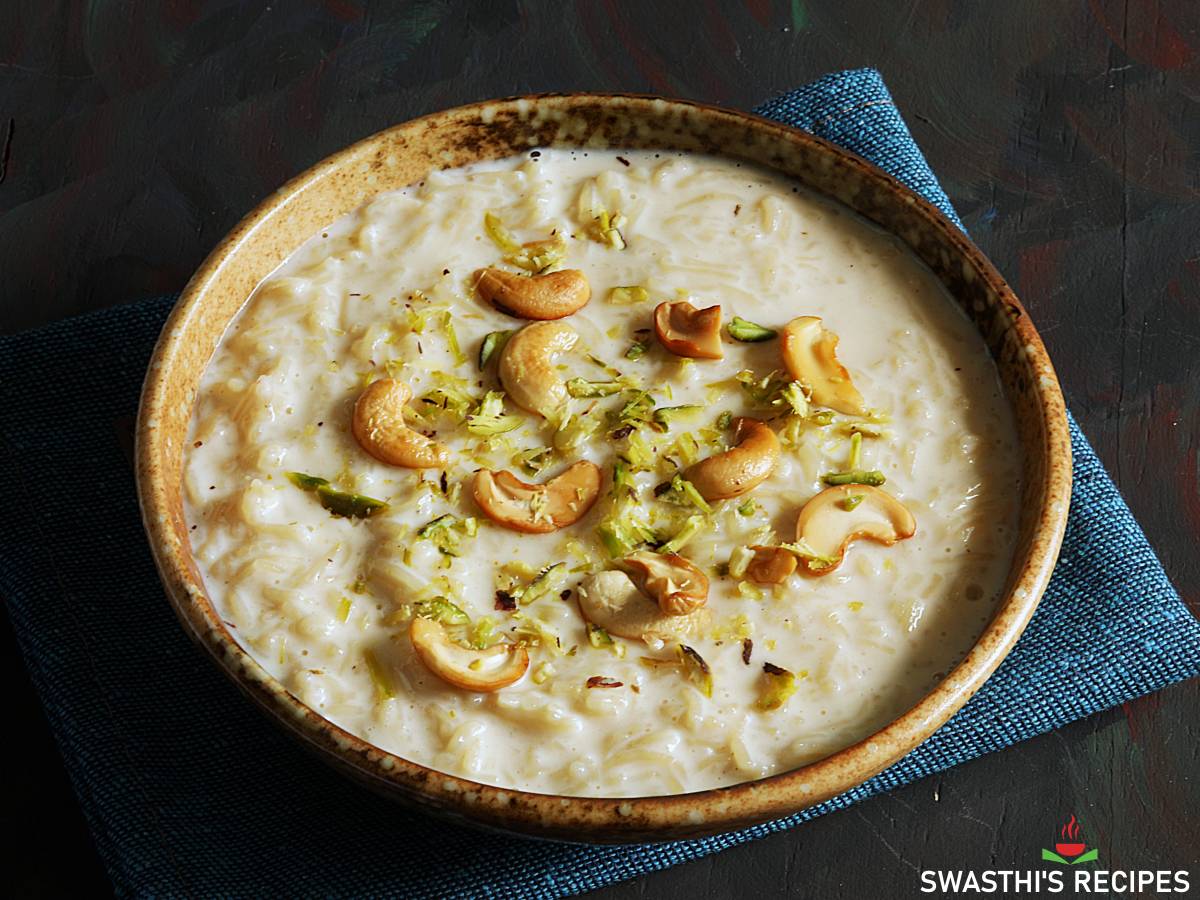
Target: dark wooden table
point(132, 135)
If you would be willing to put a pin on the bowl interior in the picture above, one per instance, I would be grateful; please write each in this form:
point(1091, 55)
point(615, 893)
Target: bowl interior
point(404, 155)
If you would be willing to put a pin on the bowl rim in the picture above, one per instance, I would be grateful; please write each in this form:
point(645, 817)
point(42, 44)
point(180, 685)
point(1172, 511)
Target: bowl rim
point(617, 819)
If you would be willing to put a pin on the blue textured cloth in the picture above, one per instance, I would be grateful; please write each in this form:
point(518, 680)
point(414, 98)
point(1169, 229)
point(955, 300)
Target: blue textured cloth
point(189, 790)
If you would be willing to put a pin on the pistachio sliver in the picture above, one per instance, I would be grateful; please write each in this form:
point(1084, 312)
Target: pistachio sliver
point(344, 504)
point(779, 685)
point(627, 295)
point(696, 670)
point(749, 332)
point(441, 610)
point(493, 342)
point(582, 388)
point(872, 477)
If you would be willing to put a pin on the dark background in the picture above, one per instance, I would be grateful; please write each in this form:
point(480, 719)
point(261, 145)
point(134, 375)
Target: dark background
point(1067, 133)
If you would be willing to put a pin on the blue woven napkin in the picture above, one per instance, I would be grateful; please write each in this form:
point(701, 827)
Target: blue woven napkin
point(189, 790)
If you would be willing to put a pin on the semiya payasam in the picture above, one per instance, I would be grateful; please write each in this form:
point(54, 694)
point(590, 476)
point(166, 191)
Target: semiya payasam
point(605, 479)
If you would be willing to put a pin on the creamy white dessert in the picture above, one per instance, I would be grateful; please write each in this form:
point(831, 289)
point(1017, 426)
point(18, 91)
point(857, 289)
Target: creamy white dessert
point(562, 595)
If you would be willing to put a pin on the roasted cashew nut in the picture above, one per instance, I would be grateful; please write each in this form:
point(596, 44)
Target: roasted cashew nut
point(834, 518)
point(771, 565)
point(538, 508)
point(472, 670)
point(526, 366)
point(810, 355)
point(611, 600)
point(687, 331)
point(740, 469)
point(672, 581)
point(548, 296)
point(378, 426)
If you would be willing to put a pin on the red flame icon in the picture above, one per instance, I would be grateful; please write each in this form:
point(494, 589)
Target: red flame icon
point(1070, 844)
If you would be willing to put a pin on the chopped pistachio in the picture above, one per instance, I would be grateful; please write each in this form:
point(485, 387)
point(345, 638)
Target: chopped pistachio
point(873, 477)
point(639, 453)
point(534, 459)
point(483, 633)
point(573, 430)
point(692, 527)
point(452, 339)
point(636, 350)
point(441, 610)
point(517, 568)
point(866, 429)
point(542, 673)
point(343, 610)
point(500, 235)
point(622, 479)
point(748, 332)
point(379, 675)
point(696, 669)
point(666, 415)
point(582, 388)
point(779, 685)
point(446, 532)
point(637, 411)
point(739, 561)
point(602, 640)
point(539, 256)
point(851, 501)
point(681, 491)
point(687, 448)
point(306, 482)
point(605, 228)
point(747, 507)
point(628, 295)
point(340, 503)
point(855, 460)
point(807, 555)
point(447, 398)
point(493, 342)
point(749, 591)
point(795, 397)
point(489, 419)
point(533, 631)
point(546, 580)
point(624, 528)
point(610, 371)
point(725, 420)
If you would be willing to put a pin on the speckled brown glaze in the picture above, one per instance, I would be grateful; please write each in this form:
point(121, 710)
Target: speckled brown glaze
point(405, 154)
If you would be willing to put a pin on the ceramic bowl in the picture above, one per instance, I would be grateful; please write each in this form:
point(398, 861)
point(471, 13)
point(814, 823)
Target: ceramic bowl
point(406, 153)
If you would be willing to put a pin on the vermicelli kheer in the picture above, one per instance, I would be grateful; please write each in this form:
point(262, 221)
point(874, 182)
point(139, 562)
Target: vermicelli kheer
point(604, 474)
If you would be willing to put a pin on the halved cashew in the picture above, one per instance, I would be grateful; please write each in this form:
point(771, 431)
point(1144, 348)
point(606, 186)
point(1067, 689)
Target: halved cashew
point(538, 508)
point(740, 469)
point(771, 565)
point(810, 355)
point(838, 515)
point(549, 296)
point(526, 366)
point(378, 426)
point(612, 601)
point(472, 670)
point(687, 331)
point(677, 585)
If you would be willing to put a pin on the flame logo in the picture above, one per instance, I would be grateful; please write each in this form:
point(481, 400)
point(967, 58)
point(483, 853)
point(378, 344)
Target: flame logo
point(1070, 831)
